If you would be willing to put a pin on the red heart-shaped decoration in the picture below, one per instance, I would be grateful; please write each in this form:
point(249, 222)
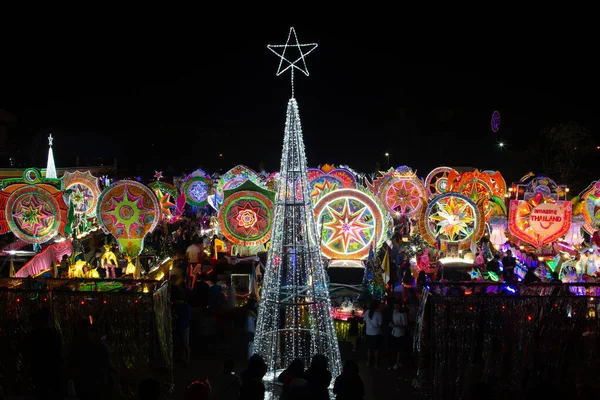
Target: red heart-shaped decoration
point(537, 199)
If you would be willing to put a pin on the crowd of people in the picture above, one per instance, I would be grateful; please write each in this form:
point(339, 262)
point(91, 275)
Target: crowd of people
point(83, 369)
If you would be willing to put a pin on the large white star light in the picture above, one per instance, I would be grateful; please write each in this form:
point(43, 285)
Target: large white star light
point(299, 63)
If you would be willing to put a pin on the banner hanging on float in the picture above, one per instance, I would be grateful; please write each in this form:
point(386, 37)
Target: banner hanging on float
point(539, 224)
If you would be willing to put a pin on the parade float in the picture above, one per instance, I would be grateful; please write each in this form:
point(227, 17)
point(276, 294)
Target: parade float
point(447, 217)
point(51, 217)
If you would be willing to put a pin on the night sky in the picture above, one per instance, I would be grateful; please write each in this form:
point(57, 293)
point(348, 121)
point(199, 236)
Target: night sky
point(172, 98)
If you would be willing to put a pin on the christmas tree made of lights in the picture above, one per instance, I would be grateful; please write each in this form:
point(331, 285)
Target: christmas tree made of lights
point(295, 317)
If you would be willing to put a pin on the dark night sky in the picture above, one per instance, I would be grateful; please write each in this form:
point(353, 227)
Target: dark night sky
point(180, 95)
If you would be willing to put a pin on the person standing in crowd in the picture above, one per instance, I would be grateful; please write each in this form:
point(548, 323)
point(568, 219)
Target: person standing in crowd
point(530, 276)
point(353, 330)
point(494, 264)
point(394, 260)
point(193, 258)
point(399, 326)
point(198, 390)
point(386, 329)
point(292, 379)
point(318, 377)
point(373, 322)
point(42, 351)
point(182, 311)
point(251, 316)
point(253, 387)
point(230, 383)
point(349, 385)
point(407, 283)
point(509, 263)
point(401, 264)
point(149, 389)
point(95, 374)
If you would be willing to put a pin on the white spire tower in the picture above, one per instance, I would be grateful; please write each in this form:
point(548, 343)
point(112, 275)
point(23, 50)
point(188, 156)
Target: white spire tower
point(50, 167)
point(295, 316)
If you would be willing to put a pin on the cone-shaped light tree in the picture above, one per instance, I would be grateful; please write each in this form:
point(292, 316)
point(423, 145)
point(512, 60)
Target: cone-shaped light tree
point(50, 167)
point(295, 316)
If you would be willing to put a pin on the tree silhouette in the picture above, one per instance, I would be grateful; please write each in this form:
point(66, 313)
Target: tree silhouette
point(565, 150)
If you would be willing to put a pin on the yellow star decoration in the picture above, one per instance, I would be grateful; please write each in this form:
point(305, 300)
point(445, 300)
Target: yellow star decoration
point(127, 211)
point(453, 219)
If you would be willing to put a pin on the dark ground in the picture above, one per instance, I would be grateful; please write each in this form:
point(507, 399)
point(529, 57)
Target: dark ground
point(209, 353)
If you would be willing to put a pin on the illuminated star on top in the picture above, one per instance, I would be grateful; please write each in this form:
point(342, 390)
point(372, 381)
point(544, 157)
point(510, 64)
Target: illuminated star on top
point(50, 139)
point(158, 175)
point(299, 63)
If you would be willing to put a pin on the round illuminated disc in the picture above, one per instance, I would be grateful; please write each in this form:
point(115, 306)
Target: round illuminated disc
point(350, 221)
point(33, 214)
point(245, 218)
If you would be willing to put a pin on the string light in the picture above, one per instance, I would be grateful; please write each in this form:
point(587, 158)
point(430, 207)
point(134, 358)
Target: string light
point(295, 317)
point(50, 167)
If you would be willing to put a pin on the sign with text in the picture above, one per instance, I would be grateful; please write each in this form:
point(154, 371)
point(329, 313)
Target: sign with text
point(539, 224)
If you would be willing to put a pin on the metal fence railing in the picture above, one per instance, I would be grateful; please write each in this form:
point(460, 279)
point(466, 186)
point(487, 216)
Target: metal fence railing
point(133, 317)
point(513, 338)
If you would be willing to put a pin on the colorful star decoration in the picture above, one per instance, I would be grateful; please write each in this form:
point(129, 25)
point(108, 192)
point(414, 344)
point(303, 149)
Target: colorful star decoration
point(474, 274)
point(198, 191)
point(158, 175)
point(127, 211)
point(82, 197)
point(454, 219)
point(321, 187)
point(404, 197)
point(32, 216)
point(247, 217)
point(165, 203)
point(347, 226)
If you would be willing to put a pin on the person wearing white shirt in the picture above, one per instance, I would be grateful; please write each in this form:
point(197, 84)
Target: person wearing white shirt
point(373, 322)
point(194, 256)
point(399, 326)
